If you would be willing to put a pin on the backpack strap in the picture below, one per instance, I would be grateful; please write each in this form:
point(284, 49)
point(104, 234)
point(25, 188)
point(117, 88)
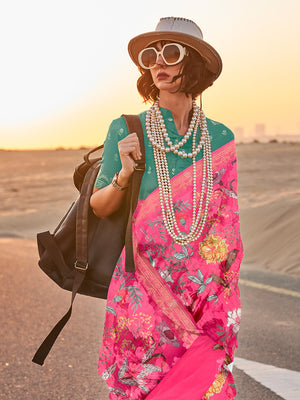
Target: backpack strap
point(134, 125)
point(81, 264)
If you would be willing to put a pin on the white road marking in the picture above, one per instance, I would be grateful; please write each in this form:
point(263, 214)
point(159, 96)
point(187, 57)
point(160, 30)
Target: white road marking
point(283, 382)
point(269, 288)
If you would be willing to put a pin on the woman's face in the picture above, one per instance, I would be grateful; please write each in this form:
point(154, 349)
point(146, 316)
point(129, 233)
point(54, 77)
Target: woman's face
point(163, 74)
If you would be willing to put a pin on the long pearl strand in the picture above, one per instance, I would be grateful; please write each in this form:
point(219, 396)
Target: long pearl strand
point(157, 133)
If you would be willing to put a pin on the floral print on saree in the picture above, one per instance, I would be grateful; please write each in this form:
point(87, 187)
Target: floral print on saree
point(177, 317)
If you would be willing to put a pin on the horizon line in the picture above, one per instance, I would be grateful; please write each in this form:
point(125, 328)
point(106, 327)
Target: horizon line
point(263, 140)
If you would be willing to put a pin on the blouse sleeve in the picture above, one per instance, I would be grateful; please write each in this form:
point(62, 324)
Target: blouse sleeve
point(111, 162)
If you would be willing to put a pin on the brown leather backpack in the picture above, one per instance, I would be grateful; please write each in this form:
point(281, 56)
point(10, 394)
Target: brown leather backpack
point(80, 255)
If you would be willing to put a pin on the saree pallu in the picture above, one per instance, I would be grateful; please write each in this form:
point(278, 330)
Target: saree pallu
point(171, 328)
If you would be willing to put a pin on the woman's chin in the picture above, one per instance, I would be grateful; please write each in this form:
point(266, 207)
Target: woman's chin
point(164, 86)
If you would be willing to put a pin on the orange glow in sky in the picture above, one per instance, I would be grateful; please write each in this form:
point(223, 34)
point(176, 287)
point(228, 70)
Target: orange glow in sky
point(66, 73)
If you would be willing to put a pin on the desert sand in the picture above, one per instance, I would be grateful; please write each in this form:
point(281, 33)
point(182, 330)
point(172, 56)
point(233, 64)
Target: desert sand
point(36, 190)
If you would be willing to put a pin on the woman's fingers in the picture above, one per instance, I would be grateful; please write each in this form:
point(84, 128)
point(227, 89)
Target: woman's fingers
point(129, 150)
point(138, 147)
point(130, 146)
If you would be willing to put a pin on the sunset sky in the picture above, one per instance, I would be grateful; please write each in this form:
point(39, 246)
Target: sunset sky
point(65, 72)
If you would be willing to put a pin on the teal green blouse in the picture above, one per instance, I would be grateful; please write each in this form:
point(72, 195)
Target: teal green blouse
point(111, 163)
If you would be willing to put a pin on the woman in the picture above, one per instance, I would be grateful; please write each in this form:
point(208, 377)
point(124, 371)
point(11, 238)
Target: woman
point(171, 327)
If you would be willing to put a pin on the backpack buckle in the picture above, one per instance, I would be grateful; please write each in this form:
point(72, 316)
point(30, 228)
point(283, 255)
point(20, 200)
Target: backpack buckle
point(139, 166)
point(81, 266)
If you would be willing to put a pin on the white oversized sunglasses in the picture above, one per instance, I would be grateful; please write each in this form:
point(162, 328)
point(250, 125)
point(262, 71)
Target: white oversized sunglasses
point(171, 53)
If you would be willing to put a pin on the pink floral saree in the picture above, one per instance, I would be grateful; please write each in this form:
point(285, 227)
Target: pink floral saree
point(171, 328)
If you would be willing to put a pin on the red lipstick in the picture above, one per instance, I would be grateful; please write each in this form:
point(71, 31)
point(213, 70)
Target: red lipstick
point(162, 76)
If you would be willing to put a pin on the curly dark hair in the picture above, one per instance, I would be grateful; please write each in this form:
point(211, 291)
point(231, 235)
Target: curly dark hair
point(196, 77)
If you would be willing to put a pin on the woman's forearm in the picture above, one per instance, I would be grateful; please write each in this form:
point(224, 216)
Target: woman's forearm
point(108, 200)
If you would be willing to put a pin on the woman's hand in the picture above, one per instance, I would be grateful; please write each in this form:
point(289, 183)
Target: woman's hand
point(129, 150)
point(107, 200)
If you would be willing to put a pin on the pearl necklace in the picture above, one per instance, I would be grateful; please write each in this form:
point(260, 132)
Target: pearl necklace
point(156, 133)
point(154, 113)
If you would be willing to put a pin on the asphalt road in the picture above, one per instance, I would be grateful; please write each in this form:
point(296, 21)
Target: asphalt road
point(31, 304)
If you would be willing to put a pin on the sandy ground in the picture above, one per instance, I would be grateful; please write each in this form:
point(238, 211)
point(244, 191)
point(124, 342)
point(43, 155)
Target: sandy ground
point(36, 189)
point(269, 199)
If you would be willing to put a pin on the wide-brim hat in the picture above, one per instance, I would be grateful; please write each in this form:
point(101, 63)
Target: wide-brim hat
point(180, 30)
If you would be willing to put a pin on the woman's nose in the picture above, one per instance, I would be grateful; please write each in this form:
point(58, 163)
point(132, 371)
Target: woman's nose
point(160, 61)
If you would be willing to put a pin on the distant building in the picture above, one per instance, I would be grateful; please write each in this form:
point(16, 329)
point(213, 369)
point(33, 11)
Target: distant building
point(239, 133)
point(260, 131)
